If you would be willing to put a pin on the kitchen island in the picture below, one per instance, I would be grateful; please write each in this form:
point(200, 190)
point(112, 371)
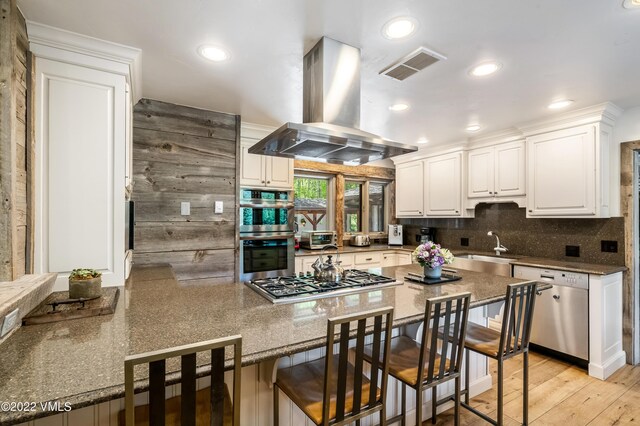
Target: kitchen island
point(81, 362)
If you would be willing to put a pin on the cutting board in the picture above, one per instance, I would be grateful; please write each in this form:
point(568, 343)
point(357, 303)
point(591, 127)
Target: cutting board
point(45, 312)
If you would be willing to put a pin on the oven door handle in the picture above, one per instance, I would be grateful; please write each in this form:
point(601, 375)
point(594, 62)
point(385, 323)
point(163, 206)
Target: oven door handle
point(267, 205)
point(254, 237)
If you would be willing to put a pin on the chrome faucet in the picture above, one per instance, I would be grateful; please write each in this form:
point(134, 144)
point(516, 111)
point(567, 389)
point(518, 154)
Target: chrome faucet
point(499, 248)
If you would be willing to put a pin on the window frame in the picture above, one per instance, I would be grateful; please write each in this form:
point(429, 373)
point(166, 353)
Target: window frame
point(331, 195)
point(365, 207)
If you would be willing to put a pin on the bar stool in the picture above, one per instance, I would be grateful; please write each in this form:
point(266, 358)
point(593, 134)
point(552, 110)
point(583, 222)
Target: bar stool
point(207, 406)
point(330, 391)
point(512, 340)
point(420, 365)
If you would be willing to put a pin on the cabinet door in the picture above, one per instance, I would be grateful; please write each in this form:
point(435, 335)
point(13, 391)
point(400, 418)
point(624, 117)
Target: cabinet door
point(80, 188)
point(410, 189)
point(252, 168)
point(443, 185)
point(481, 172)
point(510, 169)
point(561, 173)
point(307, 261)
point(404, 259)
point(279, 172)
point(389, 259)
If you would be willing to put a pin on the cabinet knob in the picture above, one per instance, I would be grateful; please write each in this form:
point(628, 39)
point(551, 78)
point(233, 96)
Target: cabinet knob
point(457, 211)
point(556, 296)
point(268, 182)
point(530, 211)
point(419, 212)
point(262, 181)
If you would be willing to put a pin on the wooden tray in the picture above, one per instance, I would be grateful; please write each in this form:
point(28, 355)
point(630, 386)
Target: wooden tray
point(444, 278)
point(45, 313)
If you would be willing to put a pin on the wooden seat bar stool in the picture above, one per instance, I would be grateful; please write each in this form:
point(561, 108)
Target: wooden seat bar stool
point(512, 340)
point(192, 407)
point(330, 390)
point(420, 365)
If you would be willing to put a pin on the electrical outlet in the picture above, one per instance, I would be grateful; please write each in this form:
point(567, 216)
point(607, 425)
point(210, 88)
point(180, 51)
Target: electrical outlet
point(572, 251)
point(218, 207)
point(609, 246)
point(464, 242)
point(10, 321)
point(185, 208)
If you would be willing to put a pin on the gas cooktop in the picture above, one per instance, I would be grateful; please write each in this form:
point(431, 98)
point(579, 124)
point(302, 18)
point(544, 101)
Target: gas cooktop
point(301, 288)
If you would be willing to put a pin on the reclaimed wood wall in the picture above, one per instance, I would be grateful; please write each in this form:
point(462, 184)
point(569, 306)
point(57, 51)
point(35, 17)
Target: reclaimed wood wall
point(185, 154)
point(15, 230)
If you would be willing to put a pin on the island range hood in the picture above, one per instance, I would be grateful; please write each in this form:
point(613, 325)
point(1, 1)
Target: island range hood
point(330, 132)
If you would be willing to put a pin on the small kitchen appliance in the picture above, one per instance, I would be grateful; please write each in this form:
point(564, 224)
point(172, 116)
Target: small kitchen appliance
point(427, 234)
point(317, 240)
point(360, 240)
point(395, 235)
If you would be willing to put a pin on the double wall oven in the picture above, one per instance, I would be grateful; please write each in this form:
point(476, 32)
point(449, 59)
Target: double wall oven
point(266, 233)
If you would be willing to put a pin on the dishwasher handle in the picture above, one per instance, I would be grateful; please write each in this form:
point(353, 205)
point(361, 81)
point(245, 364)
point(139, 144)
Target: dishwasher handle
point(547, 277)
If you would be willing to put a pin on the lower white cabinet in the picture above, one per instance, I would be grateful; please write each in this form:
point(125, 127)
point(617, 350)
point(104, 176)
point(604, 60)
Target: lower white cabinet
point(362, 260)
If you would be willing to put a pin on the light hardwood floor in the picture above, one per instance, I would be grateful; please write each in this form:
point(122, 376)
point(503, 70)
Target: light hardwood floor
point(559, 394)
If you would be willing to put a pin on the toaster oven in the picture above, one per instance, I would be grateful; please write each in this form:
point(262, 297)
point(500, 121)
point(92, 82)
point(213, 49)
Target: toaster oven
point(315, 240)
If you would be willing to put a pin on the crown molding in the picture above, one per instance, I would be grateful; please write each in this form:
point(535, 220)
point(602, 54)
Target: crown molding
point(502, 136)
point(606, 112)
point(66, 46)
point(423, 153)
point(255, 131)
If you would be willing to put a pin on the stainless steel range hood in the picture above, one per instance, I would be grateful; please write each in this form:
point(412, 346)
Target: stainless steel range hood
point(330, 132)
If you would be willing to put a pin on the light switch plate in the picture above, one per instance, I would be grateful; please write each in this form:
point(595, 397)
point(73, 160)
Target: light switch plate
point(185, 208)
point(10, 321)
point(218, 207)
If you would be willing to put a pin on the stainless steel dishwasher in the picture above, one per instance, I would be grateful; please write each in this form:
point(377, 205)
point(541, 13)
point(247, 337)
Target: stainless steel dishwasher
point(561, 314)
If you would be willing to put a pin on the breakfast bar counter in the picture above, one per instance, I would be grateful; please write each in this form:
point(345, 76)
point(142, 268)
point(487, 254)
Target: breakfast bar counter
point(80, 362)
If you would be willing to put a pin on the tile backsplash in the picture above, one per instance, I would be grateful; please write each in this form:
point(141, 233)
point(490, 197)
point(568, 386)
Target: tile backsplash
point(547, 238)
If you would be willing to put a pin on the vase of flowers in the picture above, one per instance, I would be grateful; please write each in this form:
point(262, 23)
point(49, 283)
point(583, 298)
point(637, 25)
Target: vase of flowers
point(431, 257)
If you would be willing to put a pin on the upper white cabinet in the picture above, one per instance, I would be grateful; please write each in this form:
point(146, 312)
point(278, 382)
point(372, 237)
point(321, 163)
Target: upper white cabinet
point(410, 189)
point(431, 186)
point(568, 172)
point(443, 189)
point(262, 170)
point(82, 138)
point(497, 173)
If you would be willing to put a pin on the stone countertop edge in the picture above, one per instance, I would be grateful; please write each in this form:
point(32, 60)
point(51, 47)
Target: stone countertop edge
point(354, 249)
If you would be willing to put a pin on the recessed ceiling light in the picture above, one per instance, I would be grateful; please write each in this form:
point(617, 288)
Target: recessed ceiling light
point(399, 107)
point(401, 27)
point(631, 4)
point(213, 53)
point(423, 140)
point(485, 68)
point(559, 104)
point(473, 128)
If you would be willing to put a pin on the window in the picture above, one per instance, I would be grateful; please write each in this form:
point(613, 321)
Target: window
point(352, 207)
point(312, 207)
point(376, 206)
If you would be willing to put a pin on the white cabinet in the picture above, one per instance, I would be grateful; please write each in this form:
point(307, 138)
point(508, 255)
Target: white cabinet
point(264, 171)
point(82, 138)
point(497, 171)
point(568, 172)
point(410, 189)
point(389, 258)
point(442, 181)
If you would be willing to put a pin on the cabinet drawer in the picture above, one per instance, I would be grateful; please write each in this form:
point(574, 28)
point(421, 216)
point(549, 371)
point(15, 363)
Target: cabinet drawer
point(370, 258)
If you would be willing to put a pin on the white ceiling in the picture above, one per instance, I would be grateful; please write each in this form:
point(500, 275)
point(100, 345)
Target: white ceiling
point(586, 50)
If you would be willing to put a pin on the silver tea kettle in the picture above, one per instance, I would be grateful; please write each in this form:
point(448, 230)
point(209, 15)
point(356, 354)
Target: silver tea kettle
point(328, 271)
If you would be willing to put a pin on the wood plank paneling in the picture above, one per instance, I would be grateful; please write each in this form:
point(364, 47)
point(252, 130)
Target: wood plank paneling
point(166, 117)
point(183, 154)
point(349, 171)
point(13, 142)
point(194, 264)
point(175, 236)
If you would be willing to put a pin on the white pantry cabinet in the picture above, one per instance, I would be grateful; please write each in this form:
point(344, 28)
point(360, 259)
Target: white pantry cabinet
point(262, 171)
point(443, 185)
point(82, 138)
point(497, 171)
point(568, 173)
point(410, 189)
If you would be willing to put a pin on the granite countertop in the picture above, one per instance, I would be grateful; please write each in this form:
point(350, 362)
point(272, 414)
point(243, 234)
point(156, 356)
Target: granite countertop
point(351, 249)
point(81, 361)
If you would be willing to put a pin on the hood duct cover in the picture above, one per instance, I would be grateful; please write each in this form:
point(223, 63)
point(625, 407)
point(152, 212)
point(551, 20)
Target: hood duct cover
point(330, 132)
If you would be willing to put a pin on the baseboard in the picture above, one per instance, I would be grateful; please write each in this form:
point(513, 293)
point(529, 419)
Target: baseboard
point(480, 385)
point(612, 365)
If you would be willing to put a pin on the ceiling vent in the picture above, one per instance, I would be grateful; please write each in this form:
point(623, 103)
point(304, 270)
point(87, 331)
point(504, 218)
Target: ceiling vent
point(415, 61)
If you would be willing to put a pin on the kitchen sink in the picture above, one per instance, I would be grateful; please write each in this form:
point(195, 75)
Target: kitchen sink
point(487, 264)
point(494, 259)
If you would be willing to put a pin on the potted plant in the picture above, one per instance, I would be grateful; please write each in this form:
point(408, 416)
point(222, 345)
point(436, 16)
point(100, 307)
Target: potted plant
point(85, 284)
point(431, 257)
